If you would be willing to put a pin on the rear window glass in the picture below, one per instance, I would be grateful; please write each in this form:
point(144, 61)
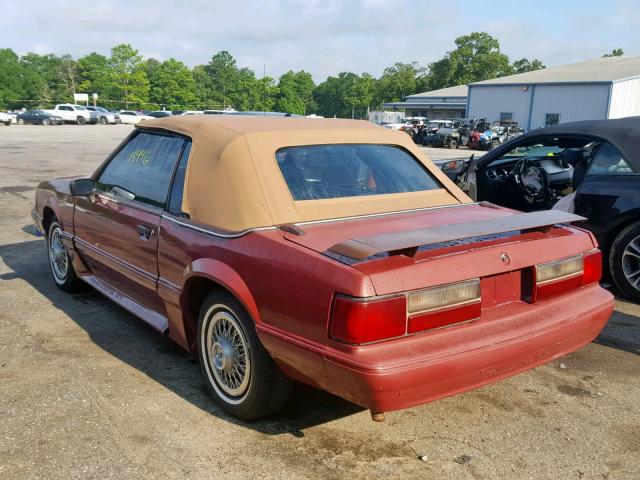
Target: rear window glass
point(317, 172)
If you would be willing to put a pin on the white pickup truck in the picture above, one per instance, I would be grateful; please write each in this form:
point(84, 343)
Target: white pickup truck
point(72, 113)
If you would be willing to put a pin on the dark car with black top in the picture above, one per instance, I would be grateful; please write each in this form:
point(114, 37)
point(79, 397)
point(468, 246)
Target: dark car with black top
point(591, 168)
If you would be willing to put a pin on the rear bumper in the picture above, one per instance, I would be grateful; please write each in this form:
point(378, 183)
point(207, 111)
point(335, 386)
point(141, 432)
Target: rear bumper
point(418, 369)
point(569, 323)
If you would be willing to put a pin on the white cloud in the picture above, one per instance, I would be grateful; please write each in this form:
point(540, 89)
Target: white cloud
point(324, 37)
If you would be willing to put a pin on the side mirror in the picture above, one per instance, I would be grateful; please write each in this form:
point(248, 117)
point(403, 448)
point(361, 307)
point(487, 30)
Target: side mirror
point(82, 187)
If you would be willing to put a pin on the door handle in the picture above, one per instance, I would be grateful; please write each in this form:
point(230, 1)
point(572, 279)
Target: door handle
point(144, 232)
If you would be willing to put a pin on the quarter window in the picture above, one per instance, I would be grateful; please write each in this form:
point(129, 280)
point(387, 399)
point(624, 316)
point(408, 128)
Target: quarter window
point(142, 169)
point(333, 171)
point(609, 160)
point(177, 190)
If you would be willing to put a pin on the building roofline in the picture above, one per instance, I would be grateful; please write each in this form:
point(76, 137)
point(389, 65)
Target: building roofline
point(424, 104)
point(570, 82)
point(632, 77)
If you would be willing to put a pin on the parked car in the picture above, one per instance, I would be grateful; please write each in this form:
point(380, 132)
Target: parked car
point(595, 163)
point(405, 290)
point(71, 113)
point(5, 118)
point(160, 114)
point(132, 117)
point(105, 116)
point(39, 117)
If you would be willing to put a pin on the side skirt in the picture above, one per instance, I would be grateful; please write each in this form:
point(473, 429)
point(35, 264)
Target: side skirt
point(153, 318)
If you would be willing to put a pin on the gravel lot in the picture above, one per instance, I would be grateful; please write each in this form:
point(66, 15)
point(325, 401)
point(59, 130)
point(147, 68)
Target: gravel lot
point(88, 391)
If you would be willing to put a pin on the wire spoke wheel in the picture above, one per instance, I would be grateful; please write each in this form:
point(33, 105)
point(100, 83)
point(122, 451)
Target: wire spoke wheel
point(58, 256)
point(227, 353)
point(631, 262)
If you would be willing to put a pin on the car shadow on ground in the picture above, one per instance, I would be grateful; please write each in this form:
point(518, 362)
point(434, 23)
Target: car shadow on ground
point(132, 341)
point(623, 328)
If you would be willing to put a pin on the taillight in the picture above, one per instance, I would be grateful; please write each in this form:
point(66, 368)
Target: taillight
point(592, 267)
point(560, 276)
point(442, 306)
point(359, 321)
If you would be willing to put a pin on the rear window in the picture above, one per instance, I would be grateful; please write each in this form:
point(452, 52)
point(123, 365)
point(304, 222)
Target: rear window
point(317, 172)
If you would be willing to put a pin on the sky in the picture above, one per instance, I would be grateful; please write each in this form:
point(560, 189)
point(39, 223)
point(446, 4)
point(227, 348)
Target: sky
point(323, 37)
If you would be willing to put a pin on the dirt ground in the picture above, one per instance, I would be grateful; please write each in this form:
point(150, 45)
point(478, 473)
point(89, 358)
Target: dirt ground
point(88, 391)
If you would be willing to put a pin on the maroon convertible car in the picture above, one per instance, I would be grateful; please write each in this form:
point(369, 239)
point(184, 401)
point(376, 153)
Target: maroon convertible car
point(329, 252)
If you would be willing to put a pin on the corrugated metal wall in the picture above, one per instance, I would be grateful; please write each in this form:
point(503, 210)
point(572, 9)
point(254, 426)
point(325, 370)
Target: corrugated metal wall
point(625, 99)
point(490, 102)
point(572, 102)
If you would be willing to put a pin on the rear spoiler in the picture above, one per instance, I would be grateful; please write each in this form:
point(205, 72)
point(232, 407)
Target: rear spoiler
point(409, 242)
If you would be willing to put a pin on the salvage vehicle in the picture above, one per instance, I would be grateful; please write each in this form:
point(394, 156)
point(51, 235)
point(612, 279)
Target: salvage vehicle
point(595, 164)
point(446, 135)
point(38, 117)
point(412, 126)
point(494, 136)
point(405, 292)
point(470, 125)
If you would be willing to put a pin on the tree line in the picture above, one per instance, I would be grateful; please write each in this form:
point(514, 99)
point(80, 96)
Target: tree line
point(125, 79)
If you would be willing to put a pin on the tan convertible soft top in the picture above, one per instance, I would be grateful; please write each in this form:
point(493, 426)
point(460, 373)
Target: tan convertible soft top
point(233, 181)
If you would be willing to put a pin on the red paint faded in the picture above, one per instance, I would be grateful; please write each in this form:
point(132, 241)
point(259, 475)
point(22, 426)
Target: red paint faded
point(288, 286)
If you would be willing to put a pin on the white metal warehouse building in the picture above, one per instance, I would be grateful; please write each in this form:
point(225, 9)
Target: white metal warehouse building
point(597, 89)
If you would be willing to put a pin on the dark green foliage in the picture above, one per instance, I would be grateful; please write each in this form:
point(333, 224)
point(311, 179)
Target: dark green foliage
point(616, 52)
point(125, 79)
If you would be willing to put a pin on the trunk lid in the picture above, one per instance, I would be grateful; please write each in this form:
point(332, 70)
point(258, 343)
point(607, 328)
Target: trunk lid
point(420, 249)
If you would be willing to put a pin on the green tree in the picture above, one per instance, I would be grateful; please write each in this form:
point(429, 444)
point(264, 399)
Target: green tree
point(68, 75)
point(11, 81)
point(263, 94)
point(347, 96)
point(222, 79)
point(93, 75)
point(476, 58)
point(200, 80)
point(326, 97)
point(400, 80)
point(150, 65)
point(41, 78)
point(128, 82)
point(221, 83)
point(172, 85)
point(242, 91)
point(616, 52)
point(296, 93)
point(525, 65)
